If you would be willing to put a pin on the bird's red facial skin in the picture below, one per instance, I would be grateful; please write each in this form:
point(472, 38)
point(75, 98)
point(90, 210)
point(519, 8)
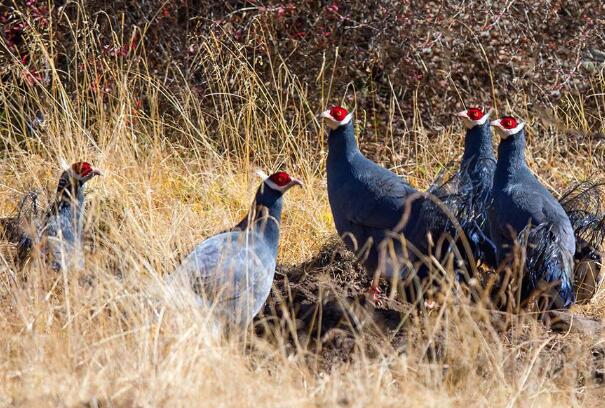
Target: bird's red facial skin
point(508, 122)
point(338, 113)
point(83, 169)
point(280, 178)
point(474, 114)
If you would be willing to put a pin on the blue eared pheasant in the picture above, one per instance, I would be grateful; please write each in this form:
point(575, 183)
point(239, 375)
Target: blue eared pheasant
point(475, 179)
point(474, 183)
point(63, 225)
point(233, 271)
point(520, 201)
point(371, 205)
point(60, 228)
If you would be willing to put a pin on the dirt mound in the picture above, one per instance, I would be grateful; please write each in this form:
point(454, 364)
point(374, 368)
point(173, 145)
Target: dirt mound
point(321, 309)
point(320, 306)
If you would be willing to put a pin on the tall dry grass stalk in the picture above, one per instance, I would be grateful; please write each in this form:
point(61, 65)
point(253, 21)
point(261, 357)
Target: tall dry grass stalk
point(179, 165)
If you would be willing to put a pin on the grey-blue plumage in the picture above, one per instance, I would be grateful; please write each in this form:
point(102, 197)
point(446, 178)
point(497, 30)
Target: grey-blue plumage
point(519, 200)
point(476, 174)
point(63, 231)
point(232, 272)
point(366, 199)
point(371, 205)
point(582, 203)
point(471, 188)
point(478, 165)
point(63, 227)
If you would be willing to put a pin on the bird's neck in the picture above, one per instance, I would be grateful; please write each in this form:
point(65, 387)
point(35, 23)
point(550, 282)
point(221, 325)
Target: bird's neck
point(511, 156)
point(70, 196)
point(341, 143)
point(266, 215)
point(478, 144)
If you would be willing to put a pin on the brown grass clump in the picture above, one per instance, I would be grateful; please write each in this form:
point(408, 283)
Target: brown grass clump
point(179, 159)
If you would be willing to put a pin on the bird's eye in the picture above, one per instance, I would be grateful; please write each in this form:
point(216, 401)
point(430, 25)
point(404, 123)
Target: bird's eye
point(338, 113)
point(280, 178)
point(508, 122)
point(474, 113)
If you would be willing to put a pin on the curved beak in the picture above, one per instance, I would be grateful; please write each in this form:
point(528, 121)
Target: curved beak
point(462, 114)
point(326, 114)
point(96, 172)
point(496, 123)
point(296, 182)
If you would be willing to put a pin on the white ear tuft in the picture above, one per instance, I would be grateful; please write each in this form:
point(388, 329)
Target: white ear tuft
point(63, 163)
point(261, 174)
point(347, 118)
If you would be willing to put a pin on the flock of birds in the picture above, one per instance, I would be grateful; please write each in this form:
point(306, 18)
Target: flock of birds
point(477, 217)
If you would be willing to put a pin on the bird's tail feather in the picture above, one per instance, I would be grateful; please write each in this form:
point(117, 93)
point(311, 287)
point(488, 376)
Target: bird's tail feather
point(470, 209)
point(583, 204)
point(483, 247)
point(22, 228)
point(549, 267)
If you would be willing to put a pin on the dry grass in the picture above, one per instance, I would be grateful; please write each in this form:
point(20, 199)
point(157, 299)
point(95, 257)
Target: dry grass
point(182, 168)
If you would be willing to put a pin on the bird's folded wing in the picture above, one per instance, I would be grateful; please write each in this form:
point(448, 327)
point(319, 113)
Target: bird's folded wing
point(24, 225)
point(538, 203)
point(383, 205)
point(10, 230)
point(224, 264)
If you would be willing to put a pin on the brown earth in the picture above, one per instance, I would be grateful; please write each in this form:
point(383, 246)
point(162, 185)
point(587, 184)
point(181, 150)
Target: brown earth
point(322, 309)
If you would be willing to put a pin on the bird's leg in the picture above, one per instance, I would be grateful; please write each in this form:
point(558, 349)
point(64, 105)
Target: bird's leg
point(374, 291)
point(430, 304)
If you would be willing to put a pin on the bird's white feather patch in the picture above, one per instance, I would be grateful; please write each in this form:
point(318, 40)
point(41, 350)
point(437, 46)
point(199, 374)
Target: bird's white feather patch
point(506, 133)
point(485, 117)
point(470, 123)
point(262, 174)
point(347, 118)
point(63, 163)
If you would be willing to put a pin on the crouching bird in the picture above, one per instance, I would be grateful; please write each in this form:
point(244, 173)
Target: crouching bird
point(371, 206)
point(232, 272)
point(522, 204)
point(62, 230)
point(58, 231)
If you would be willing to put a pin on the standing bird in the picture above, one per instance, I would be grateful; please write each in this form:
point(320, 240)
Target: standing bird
point(475, 180)
point(370, 205)
point(233, 271)
point(64, 221)
point(519, 201)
